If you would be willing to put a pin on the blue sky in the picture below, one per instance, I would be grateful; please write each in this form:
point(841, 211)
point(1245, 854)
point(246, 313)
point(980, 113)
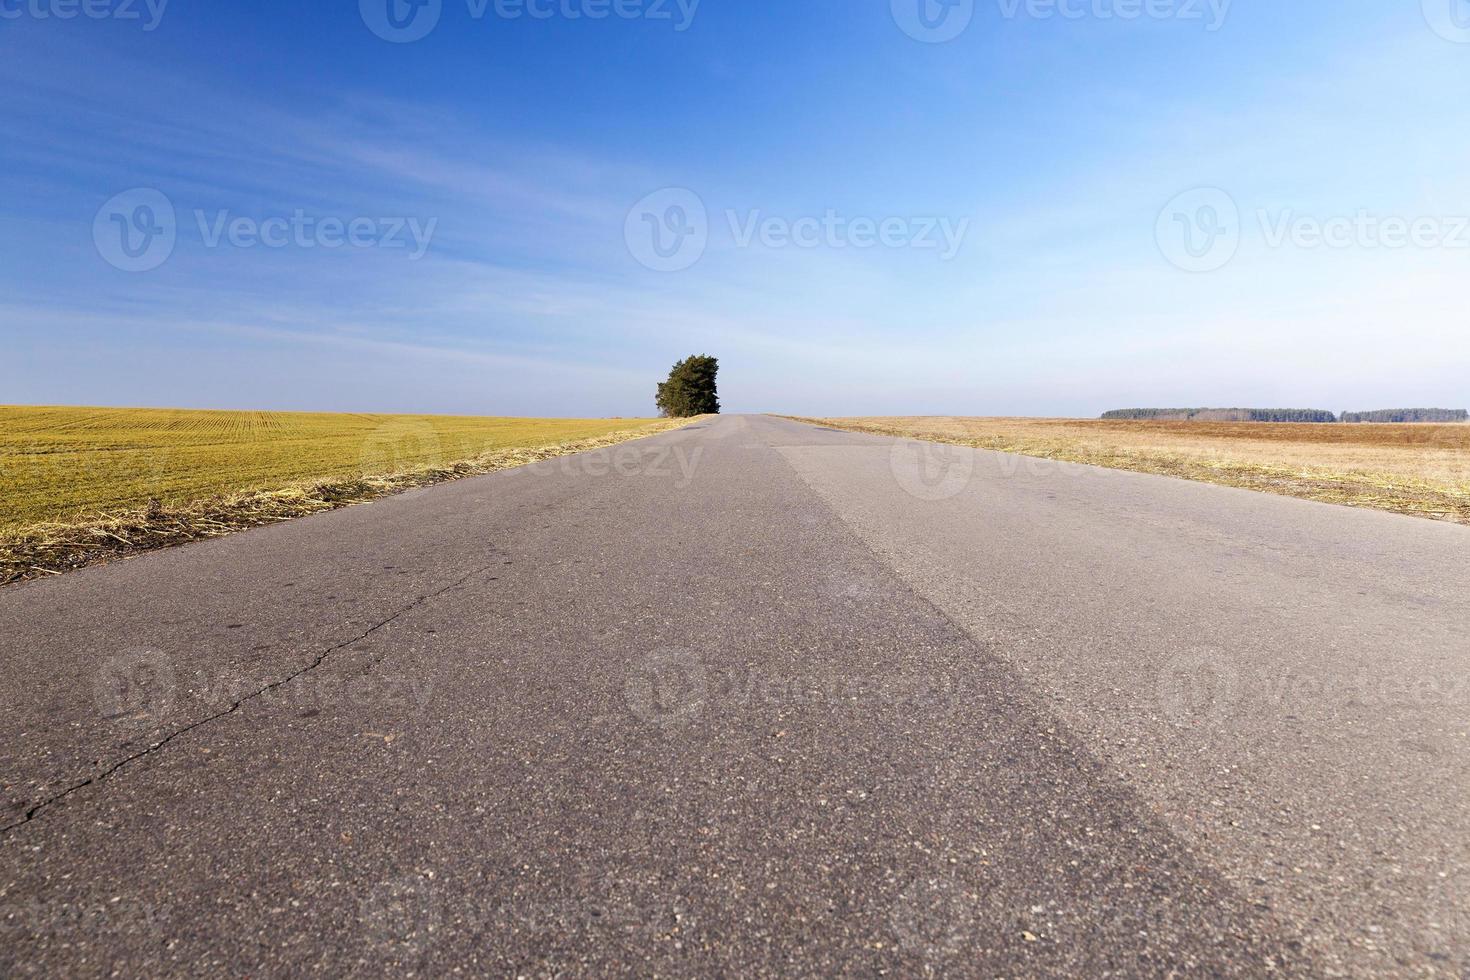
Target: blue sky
point(880, 222)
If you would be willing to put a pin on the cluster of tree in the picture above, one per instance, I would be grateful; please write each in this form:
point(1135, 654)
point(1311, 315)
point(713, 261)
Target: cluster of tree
point(1224, 414)
point(691, 389)
point(1409, 415)
point(1289, 415)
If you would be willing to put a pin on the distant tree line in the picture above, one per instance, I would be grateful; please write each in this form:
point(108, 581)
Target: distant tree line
point(1224, 414)
point(1409, 415)
point(1288, 415)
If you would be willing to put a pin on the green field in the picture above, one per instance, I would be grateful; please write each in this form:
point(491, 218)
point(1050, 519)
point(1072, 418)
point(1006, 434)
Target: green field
point(74, 465)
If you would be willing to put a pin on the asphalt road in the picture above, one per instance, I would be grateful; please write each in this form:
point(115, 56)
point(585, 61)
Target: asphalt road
point(751, 698)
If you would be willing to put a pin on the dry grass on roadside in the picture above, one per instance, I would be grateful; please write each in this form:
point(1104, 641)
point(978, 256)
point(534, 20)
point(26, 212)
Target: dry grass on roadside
point(1421, 470)
point(47, 547)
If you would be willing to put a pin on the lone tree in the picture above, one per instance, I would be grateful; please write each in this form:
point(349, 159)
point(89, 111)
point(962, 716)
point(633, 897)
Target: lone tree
point(691, 389)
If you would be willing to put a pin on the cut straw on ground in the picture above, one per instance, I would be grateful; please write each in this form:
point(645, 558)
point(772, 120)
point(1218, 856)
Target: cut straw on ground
point(1187, 454)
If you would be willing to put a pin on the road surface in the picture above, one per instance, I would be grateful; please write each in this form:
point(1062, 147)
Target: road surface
point(751, 698)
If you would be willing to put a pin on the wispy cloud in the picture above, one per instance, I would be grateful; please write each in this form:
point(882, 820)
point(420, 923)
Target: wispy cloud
point(1059, 301)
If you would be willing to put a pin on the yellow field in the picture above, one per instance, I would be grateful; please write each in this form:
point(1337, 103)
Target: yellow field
point(1423, 469)
point(73, 464)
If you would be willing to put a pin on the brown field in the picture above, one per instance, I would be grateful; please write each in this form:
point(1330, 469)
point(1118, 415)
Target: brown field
point(84, 485)
point(1421, 469)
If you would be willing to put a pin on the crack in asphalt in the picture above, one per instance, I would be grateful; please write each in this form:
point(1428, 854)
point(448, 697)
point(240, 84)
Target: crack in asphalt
point(316, 662)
